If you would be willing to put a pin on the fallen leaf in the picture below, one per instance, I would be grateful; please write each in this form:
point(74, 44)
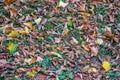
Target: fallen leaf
point(93, 69)
point(65, 32)
point(29, 24)
point(82, 7)
point(39, 59)
point(8, 29)
point(85, 14)
point(33, 60)
point(62, 4)
point(99, 41)
point(57, 39)
point(94, 51)
point(85, 47)
point(30, 74)
point(12, 48)
point(57, 9)
point(59, 48)
point(106, 65)
point(56, 54)
point(36, 69)
point(37, 21)
point(73, 41)
point(13, 34)
point(12, 11)
point(21, 70)
point(8, 1)
point(23, 32)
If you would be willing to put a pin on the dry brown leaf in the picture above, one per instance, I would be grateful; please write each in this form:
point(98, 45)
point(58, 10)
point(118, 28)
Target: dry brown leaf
point(108, 34)
point(57, 40)
point(94, 51)
point(34, 69)
point(21, 70)
point(8, 30)
point(13, 11)
point(82, 7)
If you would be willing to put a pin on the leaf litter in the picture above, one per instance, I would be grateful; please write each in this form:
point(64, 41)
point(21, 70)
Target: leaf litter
point(59, 39)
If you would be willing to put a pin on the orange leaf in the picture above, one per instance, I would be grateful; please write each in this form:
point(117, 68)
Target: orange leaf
point(57, 9)
point(12, 11)
point(65, 32)
point(85, 47)
point(82, 7)
point(8, 1)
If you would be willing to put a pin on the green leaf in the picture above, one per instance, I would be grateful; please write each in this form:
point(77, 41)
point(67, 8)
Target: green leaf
point(70, 23)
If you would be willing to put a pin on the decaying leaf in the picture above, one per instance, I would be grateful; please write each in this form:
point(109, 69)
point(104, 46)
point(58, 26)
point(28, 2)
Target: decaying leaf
point(106, 65)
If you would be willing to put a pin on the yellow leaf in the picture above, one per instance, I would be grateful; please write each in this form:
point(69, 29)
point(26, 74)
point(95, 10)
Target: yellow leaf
point(62, 4)
point(92, 70)
point(29, 24)
point(12, 48)
point(85, 47)
point(84, 14)
point(65, 32)
point(106, 65)
point(26, 31)
point(56, 54)
point(30, 74)
point(13, 34)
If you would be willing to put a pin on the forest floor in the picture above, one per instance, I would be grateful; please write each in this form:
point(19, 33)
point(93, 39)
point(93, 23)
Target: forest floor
point(59, 40)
